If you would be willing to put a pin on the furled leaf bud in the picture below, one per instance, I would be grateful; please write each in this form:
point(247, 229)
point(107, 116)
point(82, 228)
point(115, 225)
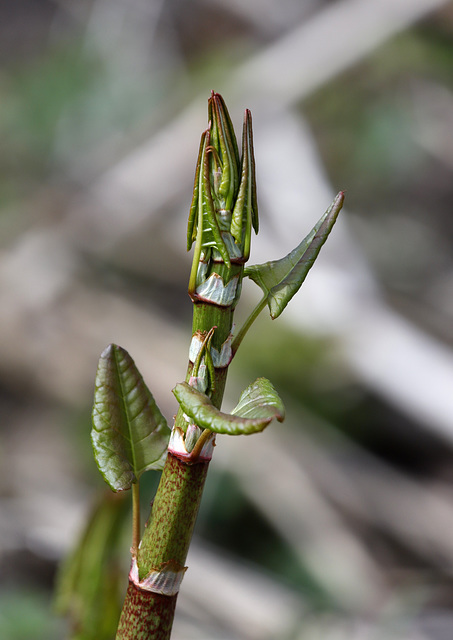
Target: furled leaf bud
point(224, 207)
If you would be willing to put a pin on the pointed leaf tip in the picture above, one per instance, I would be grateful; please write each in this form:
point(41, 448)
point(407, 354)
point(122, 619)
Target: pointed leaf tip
point(281, 279)
point(260, 400)
point(129, 434)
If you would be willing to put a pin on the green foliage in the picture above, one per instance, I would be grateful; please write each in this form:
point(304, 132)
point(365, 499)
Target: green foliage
point(129, 435)
point(90, 582)
point(246, 200)
point(25, 613)
point(224, 206)
point(39, 95)
point(281, 279)
point(260, 401)
point(203, 223)
point(225, 152)
point(258, 405)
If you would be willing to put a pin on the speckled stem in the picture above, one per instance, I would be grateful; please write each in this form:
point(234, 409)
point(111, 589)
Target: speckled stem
point(165, 543)
point(146, 615)
point(168, 533)
point(175, 508)
point(214, 287)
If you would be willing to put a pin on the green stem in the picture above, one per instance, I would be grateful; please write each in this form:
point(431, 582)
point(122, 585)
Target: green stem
point(169, 529)
point(206, 316)
point(148, 615)
point(154, 579)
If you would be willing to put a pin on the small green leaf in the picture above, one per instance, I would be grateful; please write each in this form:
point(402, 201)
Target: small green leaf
point(129, 432)
point(258, 405)
point(193, 213)
point(260, 401)
point(245, 212)
point(281, 279)
point(203, 224)
point(223, 139)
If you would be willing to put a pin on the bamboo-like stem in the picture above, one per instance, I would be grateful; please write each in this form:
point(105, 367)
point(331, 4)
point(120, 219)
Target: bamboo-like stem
point(147, 615)
point(166, 540)
point(222, 214)
point(169, 530)
point(155, 577)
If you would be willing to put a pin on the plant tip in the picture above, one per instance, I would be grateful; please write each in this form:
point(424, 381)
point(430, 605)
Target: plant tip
point(108, 350)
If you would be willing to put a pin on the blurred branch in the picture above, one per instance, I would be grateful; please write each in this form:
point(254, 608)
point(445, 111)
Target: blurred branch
point(333, 554)
point(262, 608)
point(312, 487)
point(415, 513)
point(138, 185)
point(322, 47)
point(433, 120)
point(42, 334)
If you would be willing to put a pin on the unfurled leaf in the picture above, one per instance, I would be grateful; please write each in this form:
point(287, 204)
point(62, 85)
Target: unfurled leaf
point(281, 279)
point(129, 435)
point(260, 401)
point(258, 405)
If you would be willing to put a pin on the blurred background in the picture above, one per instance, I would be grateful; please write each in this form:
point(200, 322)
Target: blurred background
point(337, 524)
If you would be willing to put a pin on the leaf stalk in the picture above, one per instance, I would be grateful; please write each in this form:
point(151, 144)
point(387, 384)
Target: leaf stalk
point(247, 324)
point(136, 533)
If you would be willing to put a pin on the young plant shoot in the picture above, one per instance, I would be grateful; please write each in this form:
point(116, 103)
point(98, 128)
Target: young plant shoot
point(130, 436)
